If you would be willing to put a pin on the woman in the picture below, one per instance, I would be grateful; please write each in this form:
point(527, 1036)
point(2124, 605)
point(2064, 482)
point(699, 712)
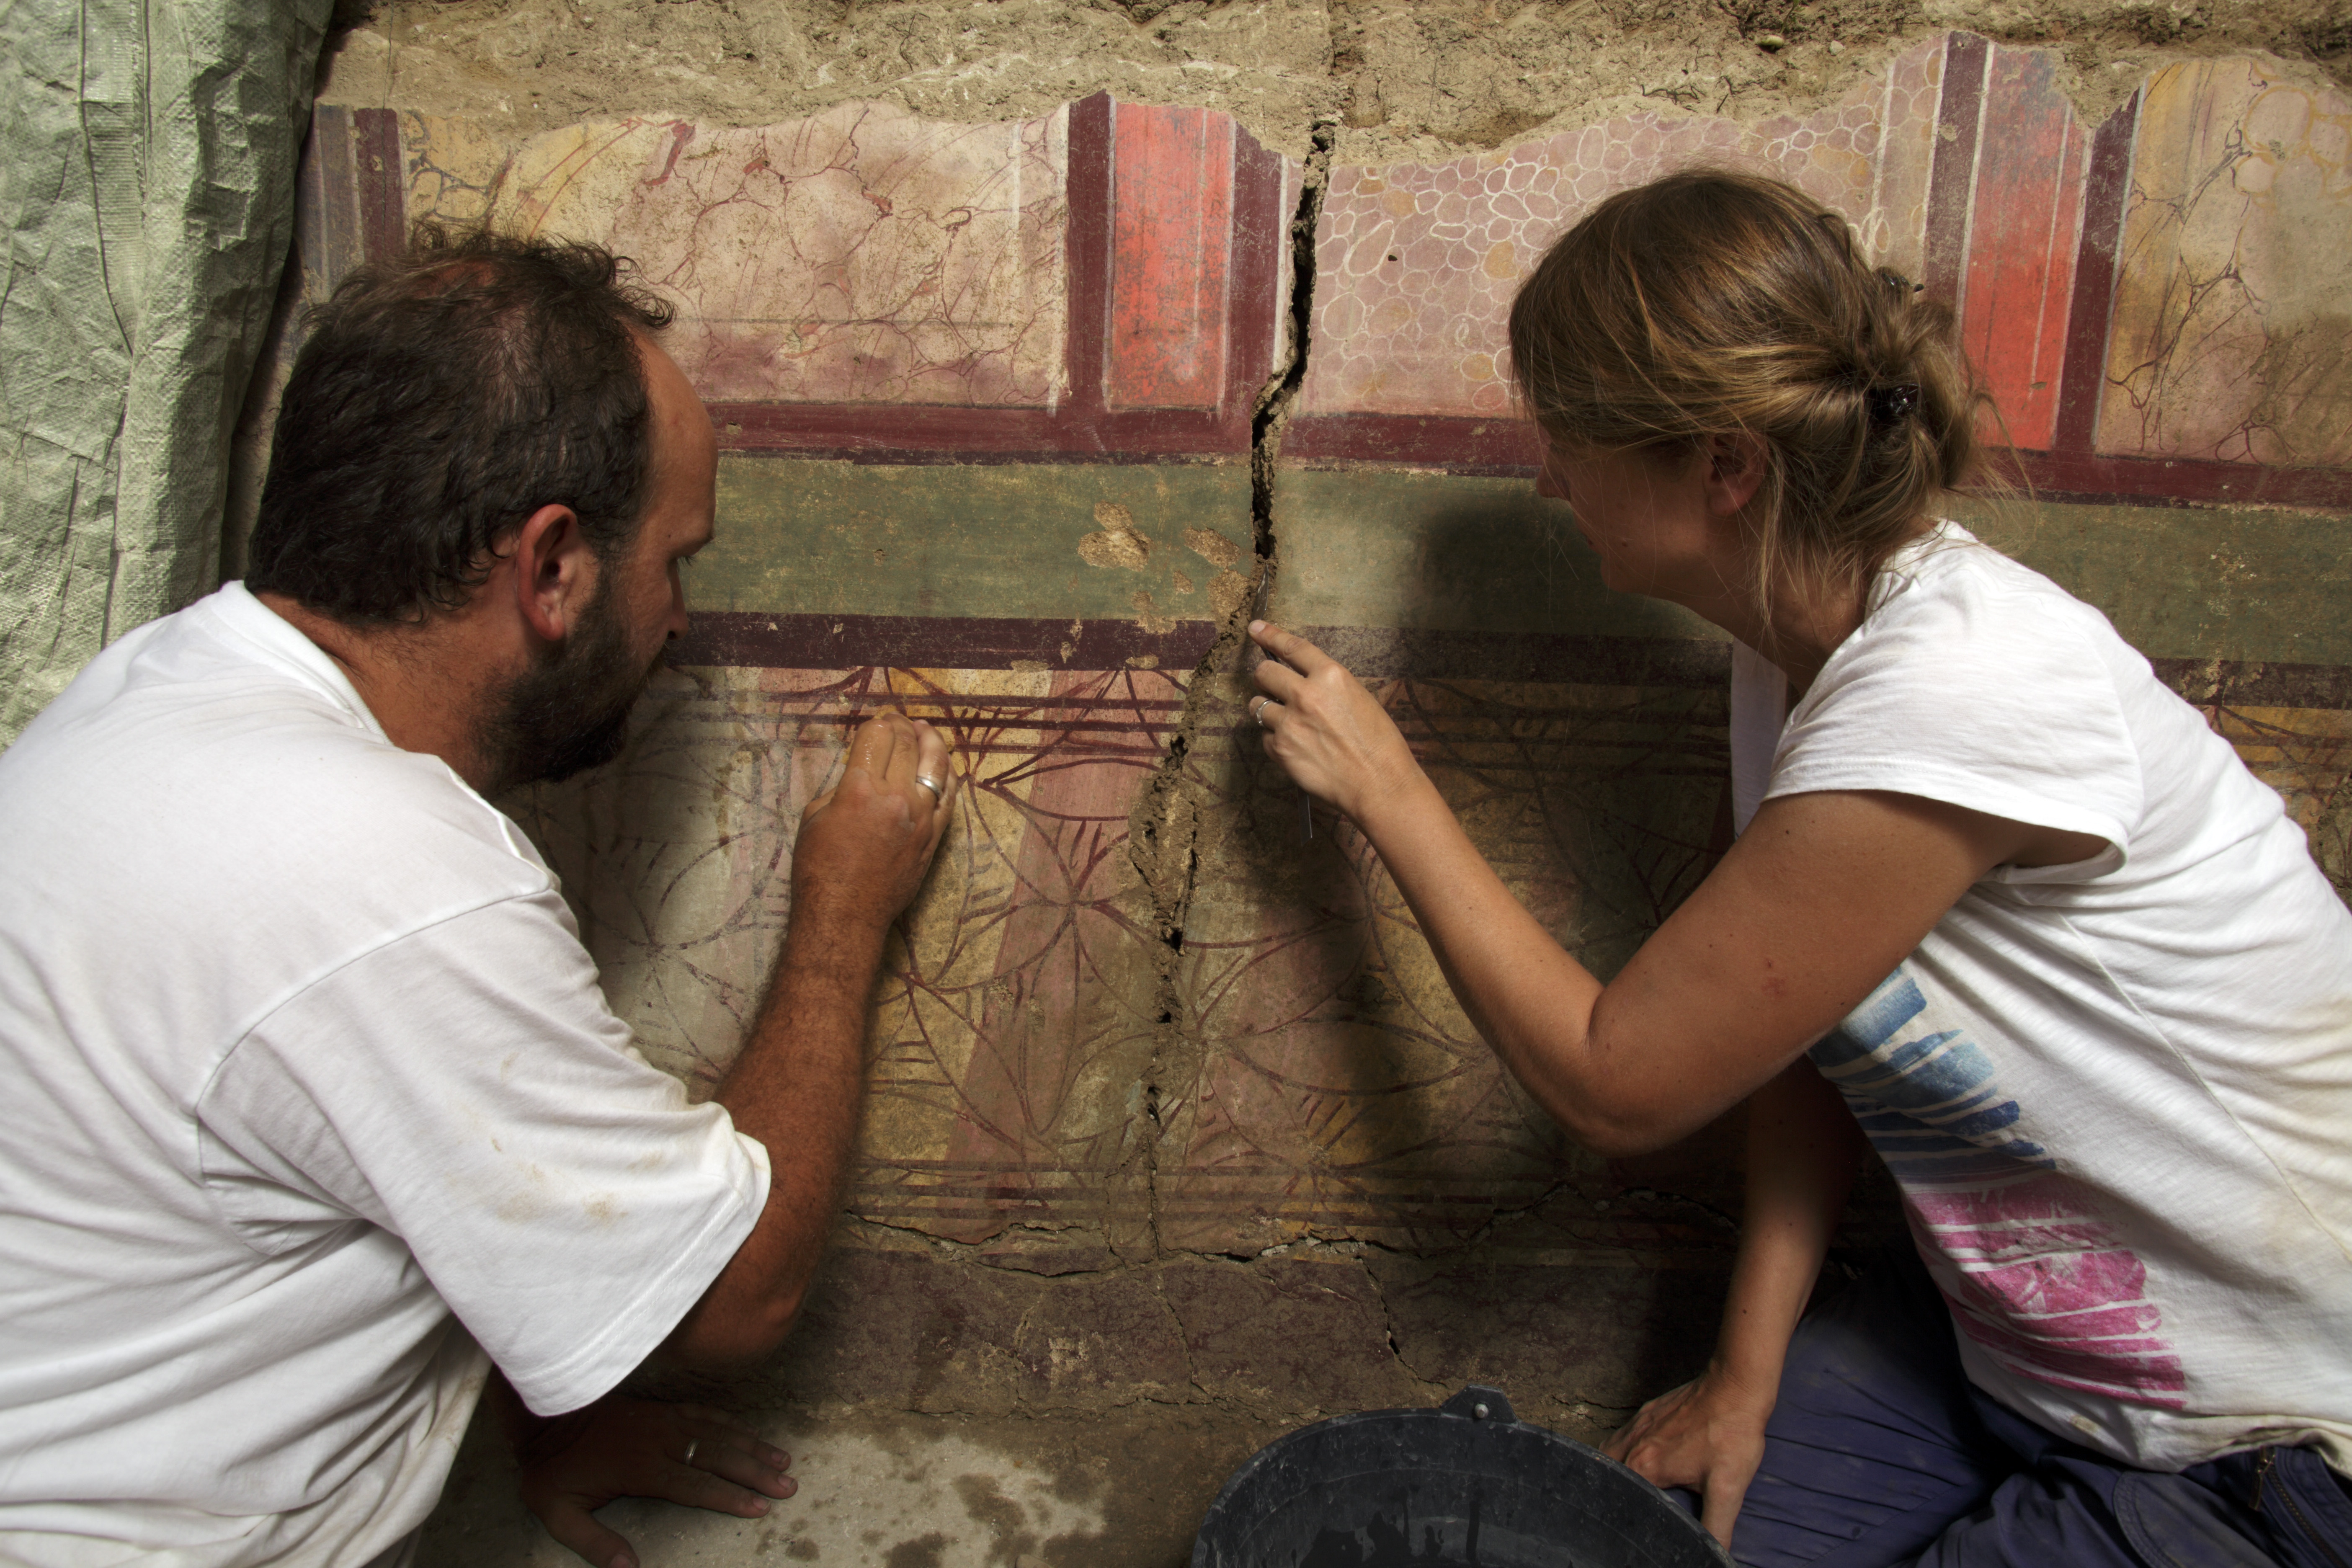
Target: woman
point(1998, 899)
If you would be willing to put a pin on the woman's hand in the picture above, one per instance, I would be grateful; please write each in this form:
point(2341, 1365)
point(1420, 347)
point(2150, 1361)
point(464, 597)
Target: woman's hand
point(1333, 737)
point(1708, 1436)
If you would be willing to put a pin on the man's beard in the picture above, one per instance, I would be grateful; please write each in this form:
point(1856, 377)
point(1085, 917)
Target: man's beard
point(568, 712)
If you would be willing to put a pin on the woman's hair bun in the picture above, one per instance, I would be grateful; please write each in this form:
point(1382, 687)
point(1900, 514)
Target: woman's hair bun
point(1715, 303)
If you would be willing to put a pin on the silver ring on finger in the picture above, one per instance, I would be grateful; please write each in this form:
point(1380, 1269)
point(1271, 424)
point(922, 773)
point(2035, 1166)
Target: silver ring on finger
point(691, 1445)
point(1258, 710)
point(938, 791)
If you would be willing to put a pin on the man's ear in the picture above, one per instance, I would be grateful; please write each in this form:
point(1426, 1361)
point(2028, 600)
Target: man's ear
point(1735, 466)
point(554, 573)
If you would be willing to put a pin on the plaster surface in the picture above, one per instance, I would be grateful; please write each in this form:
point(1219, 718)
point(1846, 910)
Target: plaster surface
point(883, 1489)
point(1034, 354)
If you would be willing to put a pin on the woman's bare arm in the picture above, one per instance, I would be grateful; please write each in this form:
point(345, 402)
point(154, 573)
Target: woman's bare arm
point(1709, 1435)
point(1817, 902)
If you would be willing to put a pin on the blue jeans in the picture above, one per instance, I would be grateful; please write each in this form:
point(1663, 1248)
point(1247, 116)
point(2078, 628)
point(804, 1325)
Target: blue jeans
point(1881, 1454)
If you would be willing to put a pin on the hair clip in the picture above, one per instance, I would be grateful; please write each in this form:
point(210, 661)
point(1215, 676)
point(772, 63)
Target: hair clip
point(1890, 404)
point(1896, 281)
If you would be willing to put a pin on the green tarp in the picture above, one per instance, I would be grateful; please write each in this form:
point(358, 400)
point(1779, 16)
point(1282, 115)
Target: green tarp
point(147, 157)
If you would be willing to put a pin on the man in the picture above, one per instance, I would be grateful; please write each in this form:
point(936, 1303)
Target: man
point(315, 1110)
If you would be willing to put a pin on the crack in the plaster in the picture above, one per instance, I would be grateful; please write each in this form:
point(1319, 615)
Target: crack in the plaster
point(982, 1254)
point(1429, 1388)
point(1183, 1342)
point(1475, 1238)
point(1166, 823)
point(1728, 1221)
point(1500, 1213)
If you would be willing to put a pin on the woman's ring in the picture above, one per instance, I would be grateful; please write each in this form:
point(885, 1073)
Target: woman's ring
point(1258, 710)
point(691, 1445)
point(938, 793)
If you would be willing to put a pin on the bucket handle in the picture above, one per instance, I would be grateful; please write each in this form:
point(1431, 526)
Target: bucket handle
point(1477, 1402)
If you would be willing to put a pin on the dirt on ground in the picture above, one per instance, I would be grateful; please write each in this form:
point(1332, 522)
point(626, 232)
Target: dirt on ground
point(1400, 78)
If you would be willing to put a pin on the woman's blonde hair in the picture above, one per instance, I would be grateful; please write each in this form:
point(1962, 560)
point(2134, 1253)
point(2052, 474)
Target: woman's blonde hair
point(1711, 303)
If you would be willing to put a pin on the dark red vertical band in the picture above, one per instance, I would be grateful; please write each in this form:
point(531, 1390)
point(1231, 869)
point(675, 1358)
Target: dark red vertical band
point(1087, 250)
point(2106, 193)
point(1951, 187)
point(375, 168)
point(1261, 252)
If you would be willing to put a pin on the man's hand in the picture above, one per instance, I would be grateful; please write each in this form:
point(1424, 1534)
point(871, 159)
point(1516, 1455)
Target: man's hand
point(865, 843)
point(621, 1448)
point(1708, 1436)
point(799, 1084)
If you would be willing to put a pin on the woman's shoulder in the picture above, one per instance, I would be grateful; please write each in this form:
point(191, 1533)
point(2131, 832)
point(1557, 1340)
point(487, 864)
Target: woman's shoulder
point(1950, 605)
point(1948, 560)
point(1975, 681)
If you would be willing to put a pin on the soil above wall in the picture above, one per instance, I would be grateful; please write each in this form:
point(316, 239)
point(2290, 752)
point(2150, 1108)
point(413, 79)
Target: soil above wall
point(1401, 78)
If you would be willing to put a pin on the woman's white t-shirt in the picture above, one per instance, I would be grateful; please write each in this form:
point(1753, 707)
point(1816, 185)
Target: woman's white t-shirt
point(2117, 1094)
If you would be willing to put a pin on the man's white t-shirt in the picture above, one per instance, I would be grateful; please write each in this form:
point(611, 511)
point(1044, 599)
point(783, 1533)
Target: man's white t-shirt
point(2117, 1094)
point(309, 1091)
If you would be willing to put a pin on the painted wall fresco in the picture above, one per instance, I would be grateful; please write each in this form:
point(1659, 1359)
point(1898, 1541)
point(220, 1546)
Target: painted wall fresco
point(985, 396)
point(2119, 286)
point(1415, 266)
point(2228, 336)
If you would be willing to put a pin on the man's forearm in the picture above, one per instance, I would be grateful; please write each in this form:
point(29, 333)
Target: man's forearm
point(798, 1088)
point(863, 847)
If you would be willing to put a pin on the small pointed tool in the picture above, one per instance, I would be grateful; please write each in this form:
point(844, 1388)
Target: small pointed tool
point(1257, 612)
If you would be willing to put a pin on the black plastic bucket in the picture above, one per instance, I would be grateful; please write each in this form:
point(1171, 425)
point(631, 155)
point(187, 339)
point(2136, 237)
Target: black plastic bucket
point(1468, 1484)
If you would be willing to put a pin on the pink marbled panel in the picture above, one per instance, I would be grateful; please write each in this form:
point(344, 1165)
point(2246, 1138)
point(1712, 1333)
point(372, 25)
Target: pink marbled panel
point(1416, 266)
point(1896, 229)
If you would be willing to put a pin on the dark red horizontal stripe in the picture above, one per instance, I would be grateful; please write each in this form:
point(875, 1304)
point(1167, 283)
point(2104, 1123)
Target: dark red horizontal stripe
point(750, 639)
point(924, 433)
point(2178, 481)
point(744, 638)
point(1068, 740)
point(1507, 449)
point(929, 642)
point(1076, 711)
point(1022, 1182)
point(1396, 653)
point(1578, 1236)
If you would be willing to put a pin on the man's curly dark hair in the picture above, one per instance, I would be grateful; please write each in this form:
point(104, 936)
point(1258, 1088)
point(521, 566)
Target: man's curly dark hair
point(440, 400)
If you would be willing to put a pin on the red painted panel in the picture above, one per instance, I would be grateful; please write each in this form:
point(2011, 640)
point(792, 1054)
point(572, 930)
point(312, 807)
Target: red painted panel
point(1171, 242)
point(2022, 242)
